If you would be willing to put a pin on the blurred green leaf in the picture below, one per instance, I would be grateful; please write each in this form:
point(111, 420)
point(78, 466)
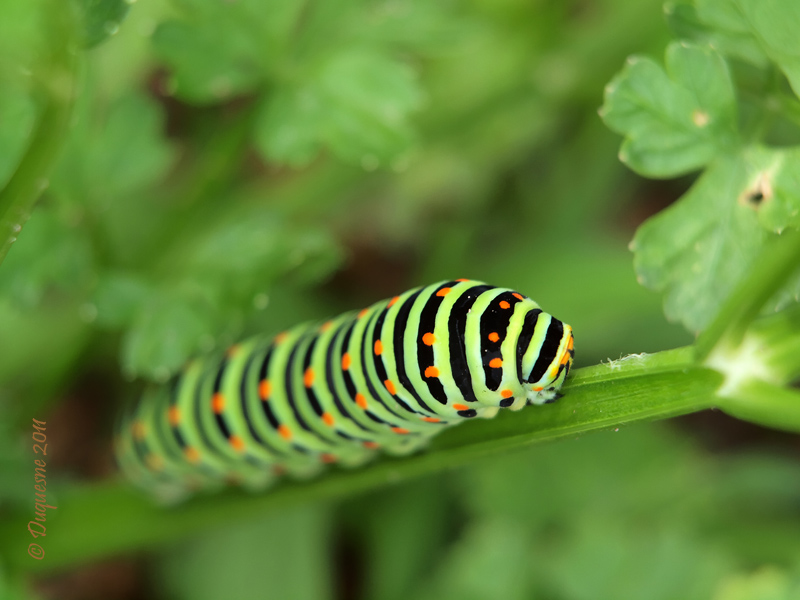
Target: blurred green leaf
point(47, 342)
point(775, 23)
point(119, 297)
point(356, 102)
point(550, 483)
point(168, 328)
point(642, 562)
point(490, 560)
point(675, 121)
point(14, 588)
point(720, 23)
point(766, 583)
point(205, 69)
point(196, 300)
point(102, 19)
point(225, 49)
point(280, 556)
point(113, 152)
point(404, 531)
point(26, 278)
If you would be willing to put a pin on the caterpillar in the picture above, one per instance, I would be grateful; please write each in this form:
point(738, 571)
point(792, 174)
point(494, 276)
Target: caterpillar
point(386, 378)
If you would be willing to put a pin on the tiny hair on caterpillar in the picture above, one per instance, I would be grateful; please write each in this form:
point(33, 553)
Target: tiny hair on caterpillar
point(383, 379)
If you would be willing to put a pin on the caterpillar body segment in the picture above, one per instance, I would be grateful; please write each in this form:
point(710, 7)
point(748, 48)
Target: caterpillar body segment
point(383, 379)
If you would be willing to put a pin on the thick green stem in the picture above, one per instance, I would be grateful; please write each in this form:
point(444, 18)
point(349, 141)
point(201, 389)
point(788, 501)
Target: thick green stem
point(110, 518)
point(766, 404)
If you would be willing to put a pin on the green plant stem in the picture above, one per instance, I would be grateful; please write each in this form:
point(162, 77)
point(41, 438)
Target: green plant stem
point(94, 521)
point(776, 263)
point(57, 84)
point(766, 404)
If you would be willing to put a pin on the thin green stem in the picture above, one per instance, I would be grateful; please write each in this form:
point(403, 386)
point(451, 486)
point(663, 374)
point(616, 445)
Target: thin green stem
point(58, 79)
point(111, 518)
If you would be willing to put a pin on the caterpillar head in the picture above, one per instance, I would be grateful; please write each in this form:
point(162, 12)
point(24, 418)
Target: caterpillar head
point(546, 359)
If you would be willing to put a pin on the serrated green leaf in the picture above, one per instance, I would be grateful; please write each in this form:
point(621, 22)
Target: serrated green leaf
point(697, 250)
point(102, 19)
point(674, 120)
point(357, 103)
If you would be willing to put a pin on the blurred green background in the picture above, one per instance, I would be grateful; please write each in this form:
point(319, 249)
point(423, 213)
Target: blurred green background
point(238, 167)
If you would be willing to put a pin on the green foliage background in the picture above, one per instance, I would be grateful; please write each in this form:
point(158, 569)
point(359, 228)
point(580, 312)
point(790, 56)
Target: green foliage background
point(206, 169)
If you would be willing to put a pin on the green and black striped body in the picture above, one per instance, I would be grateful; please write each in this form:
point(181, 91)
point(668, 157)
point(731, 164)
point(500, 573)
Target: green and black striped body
point(386, 378)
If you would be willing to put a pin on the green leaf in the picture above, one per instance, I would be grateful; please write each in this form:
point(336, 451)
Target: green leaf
point(754, 30)
point(674, 121)
point(697, 250)
point(776, 23)
point(102, 18)
point(728, 30)
point(356, 102)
